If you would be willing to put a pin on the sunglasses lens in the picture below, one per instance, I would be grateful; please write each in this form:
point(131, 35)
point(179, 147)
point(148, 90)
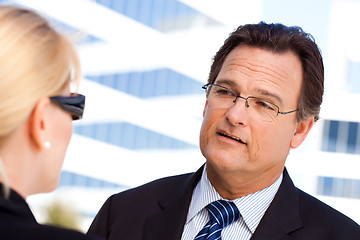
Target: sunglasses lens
point(72, 104)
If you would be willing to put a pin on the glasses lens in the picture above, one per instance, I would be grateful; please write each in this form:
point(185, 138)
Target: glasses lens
point(222, 95)
point(74, 104)
point(262, 109)
point(257, 108)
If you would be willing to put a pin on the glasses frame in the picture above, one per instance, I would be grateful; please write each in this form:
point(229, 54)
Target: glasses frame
point(246, 98)
point(73, 104)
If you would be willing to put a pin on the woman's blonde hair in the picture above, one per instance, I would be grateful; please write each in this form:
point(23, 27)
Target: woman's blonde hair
point(35, 61)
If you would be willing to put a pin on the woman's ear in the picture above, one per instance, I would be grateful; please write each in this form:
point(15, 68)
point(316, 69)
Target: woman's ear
point(301, 132)
point(38, 123)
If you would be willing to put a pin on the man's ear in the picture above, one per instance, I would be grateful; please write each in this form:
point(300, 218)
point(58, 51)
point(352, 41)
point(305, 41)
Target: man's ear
point(38, 123)
point(301, 132)
point(206, 103)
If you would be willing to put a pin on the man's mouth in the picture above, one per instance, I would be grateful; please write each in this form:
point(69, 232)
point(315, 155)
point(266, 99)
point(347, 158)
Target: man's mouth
point(224, 134)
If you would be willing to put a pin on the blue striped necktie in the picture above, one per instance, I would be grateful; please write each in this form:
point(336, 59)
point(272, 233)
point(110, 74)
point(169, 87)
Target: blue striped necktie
point(221, 213)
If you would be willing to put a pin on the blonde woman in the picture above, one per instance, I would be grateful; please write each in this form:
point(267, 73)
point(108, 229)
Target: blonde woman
point(37, 66)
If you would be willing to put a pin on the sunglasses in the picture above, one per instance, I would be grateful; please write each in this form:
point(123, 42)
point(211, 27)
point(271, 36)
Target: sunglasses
point(73, 104)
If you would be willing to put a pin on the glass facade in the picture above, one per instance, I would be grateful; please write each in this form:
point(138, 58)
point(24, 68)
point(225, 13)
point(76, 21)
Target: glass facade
point(149, 84)
point(161, 15)
point(340, 136)
point(338, 187)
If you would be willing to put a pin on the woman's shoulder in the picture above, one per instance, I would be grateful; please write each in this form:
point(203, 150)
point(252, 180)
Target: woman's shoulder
point(40, 232)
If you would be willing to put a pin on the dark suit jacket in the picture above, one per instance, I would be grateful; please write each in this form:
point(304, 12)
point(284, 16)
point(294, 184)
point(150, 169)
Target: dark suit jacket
point(158, 211)
point(18, 223)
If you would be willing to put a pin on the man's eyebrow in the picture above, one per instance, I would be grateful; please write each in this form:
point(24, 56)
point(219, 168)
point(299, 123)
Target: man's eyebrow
point(226, 82)
point(267, 93)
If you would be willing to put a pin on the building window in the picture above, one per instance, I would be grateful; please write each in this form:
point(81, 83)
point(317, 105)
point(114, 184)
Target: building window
point(338, 187)
point(339, 136)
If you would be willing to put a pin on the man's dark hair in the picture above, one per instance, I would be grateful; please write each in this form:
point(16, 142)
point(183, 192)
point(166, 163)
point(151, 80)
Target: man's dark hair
point(278, 38)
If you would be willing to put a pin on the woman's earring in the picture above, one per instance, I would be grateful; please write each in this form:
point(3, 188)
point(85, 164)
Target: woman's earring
point(47, 144)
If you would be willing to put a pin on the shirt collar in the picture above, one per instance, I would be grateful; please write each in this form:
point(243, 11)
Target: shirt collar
point(252, 207)
point(204, 193)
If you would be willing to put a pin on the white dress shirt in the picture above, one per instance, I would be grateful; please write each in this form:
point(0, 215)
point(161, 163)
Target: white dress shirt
point(252, 208)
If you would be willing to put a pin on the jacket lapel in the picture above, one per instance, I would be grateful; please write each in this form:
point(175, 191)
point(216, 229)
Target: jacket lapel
point(282, 217)
point(168, 224)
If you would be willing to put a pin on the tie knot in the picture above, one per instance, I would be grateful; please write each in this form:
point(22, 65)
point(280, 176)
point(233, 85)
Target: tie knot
point(223, 212)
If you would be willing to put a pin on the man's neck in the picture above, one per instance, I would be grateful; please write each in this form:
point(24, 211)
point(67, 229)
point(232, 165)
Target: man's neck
point(234, 185)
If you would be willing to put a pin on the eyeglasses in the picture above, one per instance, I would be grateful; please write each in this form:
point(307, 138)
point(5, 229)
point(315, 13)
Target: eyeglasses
point(258, 108)
point(73, 104)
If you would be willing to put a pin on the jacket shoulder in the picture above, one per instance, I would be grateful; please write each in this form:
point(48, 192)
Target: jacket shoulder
point(157, 188)
point(130, 209)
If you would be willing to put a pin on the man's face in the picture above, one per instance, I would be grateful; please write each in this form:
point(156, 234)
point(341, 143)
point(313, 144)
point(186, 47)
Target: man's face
point(234, 141)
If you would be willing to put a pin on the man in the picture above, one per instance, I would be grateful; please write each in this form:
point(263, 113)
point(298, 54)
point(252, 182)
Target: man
point(263, 96)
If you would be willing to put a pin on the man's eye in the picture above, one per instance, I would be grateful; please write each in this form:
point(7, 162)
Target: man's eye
point(264, 105)
point(224, 92)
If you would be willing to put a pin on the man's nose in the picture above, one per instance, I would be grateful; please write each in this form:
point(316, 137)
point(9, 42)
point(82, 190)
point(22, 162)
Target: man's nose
point(237, 114)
